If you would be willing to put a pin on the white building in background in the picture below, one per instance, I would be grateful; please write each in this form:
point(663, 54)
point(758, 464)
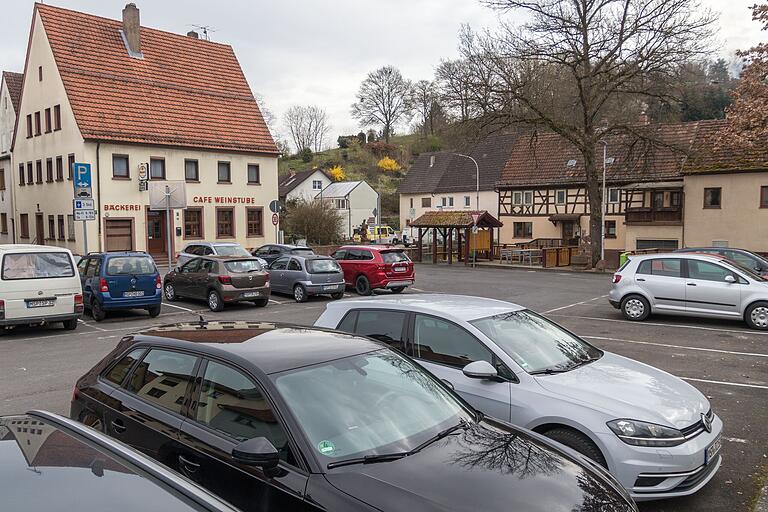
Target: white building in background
point(129, 99)
point(10, 92)
point(302, 185)
point(355, 201)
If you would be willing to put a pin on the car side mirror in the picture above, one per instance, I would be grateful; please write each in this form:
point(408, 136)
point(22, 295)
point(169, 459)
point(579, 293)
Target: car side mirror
point(256, 452)
point(480, 370)
point(730, 279)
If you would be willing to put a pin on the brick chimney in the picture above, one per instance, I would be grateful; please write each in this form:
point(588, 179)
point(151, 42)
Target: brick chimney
point(132, 29)
point(193, 34)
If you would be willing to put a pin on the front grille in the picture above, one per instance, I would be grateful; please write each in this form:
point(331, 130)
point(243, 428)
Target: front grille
point(694, 480)
point(697, 428)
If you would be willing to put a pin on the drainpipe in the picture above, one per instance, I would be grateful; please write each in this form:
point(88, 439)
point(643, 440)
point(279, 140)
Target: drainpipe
point(98, 196)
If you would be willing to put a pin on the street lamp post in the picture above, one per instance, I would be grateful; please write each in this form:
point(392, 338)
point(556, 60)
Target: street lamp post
point(603, 204)
point(477, 176)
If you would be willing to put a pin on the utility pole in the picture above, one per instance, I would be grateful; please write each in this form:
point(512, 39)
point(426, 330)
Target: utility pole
point(603, 204)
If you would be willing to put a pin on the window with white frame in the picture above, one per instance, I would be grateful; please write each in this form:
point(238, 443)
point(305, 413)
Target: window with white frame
point(317, 185)
point(517, 197)
point(467, 201)
point(528, 197)
point(446, 201)
point(560, 196)
point(613, 195)
point(341, 204)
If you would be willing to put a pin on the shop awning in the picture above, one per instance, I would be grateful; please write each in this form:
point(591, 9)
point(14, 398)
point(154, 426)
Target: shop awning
point(560, 217)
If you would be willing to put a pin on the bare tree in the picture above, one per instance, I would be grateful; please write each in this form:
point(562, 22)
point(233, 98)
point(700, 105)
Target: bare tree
point(308, 126)
point(454, 84)
point(424, 98)
point(583, 69)
point(267, 114)
point(384, 98)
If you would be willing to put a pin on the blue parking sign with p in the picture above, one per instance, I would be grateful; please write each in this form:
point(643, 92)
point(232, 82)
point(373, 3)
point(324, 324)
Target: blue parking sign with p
point(82, 179)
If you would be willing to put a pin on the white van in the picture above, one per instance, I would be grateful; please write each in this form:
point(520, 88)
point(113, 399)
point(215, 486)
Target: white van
point(39, 285)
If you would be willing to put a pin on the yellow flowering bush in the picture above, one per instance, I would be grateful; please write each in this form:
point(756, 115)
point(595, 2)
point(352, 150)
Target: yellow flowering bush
point(388, 164)
point(337, 173)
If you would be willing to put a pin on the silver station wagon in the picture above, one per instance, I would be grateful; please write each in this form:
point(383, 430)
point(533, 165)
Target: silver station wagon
point(702, 285)
point(303, 276)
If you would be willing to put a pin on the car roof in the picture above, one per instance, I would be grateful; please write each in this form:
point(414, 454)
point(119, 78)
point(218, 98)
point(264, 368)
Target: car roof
point(309, 257)
point(678, 255)
point(119, 253)
point(379, 247)
point(210, 244)
point(268, 347)
point(31, 248)
point(458, 307)
point(222, 257)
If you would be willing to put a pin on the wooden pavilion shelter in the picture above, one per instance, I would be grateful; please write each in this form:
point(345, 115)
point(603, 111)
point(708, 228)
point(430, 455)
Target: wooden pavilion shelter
point(463, 222)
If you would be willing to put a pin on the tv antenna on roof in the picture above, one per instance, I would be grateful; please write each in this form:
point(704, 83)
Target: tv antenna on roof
point(205, 29)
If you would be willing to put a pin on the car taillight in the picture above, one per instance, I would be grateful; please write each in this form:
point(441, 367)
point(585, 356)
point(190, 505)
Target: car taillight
point(75, 393)
point(616, 278)
point(103, 285)
point(78, 303)
point(158, 282)
point(225, 280)
point(2, 309)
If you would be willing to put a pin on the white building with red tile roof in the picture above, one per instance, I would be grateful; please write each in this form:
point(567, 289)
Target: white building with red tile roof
point(129, 100)
point(10, 91)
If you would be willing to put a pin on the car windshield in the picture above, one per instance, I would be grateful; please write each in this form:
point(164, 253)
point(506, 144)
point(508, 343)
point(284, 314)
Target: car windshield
point(535, 343)
point(303, 251)
point(369, 404)
point(744, 270)
point(231, 250)
point(323, 267)
point(130, 266)
point(243, 266)
point(37, 265)
point(394, 256)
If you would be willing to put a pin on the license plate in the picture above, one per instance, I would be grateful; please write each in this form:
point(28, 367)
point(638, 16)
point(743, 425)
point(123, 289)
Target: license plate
point(330, 287)
point(139, 293)
point(251, 294)
point(711, 452)
point(400, 269)
point(41, 303)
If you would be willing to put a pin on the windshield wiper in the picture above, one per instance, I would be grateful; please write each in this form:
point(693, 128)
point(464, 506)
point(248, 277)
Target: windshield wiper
point(388, 457)
point(585, 361)
point(550, 371)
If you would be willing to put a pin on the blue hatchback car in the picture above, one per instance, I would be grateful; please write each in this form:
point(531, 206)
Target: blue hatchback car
point(120, 280)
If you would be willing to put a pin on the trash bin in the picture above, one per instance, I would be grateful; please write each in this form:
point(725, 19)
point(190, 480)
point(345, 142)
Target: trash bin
point(623, 258)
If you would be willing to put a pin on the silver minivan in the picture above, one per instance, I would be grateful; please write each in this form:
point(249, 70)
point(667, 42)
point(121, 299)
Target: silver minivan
point(701, 285)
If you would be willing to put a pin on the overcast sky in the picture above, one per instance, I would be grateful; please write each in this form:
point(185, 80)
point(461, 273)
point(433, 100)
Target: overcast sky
point(318, 51)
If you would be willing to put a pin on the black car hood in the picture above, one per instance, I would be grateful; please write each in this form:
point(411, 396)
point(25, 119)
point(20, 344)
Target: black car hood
point(489, 467)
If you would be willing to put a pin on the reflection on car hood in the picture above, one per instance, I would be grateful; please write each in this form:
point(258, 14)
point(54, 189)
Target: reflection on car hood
point(489, 467)
point(626, 388)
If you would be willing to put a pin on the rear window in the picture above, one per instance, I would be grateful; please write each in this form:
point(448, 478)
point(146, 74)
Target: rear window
point(323, 267)
point(231, 250)
point(243, 266)
point(394, 256)
point(130, 266)
point(37, 265)
point(667, 267)
point(303, 252)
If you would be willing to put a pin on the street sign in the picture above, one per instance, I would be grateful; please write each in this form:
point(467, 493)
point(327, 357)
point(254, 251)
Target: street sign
point(83, 204)
point(275, 219)
point(475, 218)
point(82, 181)
point(274, 206)
point(85, 215)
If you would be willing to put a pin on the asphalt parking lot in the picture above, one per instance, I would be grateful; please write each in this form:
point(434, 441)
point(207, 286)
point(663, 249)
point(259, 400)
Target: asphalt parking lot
point(725, 360)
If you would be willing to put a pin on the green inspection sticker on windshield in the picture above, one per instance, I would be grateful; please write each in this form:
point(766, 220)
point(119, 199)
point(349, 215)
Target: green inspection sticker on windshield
point(326, 447)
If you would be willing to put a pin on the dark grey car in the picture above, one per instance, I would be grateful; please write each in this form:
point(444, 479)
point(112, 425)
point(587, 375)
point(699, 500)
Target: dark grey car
point(303, 276)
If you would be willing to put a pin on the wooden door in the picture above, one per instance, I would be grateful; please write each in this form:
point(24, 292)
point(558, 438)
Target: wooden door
point(156, 243)
point(569, 230)
point(39, 229)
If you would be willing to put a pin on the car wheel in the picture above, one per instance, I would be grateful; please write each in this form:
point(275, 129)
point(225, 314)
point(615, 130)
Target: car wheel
point(261, 302)
point(92, 420)
point(398, 289)
point(337, 296)
point(362, 286)
point(71, 324)
point(757, 316)
point(635, 308)
point(154, 311)
point(214, 301)
point(300, 293)
point(577, 441)
point(97, 312)
point(170, 292)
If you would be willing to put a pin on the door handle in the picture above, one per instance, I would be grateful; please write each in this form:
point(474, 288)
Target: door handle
point(640, 279)
point(691, 284)
point(118, 426)
point(188, 464)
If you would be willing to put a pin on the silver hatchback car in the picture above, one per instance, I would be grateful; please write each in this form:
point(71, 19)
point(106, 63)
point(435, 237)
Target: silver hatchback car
point(702, 285)
point(304, 276)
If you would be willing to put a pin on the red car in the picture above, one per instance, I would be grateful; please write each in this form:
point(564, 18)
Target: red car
point(367, 267)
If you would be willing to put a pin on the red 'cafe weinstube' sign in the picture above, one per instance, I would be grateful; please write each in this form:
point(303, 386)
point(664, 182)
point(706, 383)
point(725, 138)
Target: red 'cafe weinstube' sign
point(223, 200)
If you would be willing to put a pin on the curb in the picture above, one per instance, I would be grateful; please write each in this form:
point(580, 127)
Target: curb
point(523, 267)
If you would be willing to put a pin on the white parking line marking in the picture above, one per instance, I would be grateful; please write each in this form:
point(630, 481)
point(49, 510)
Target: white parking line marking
point(681, 326)
point(730, 352)
point(738, 384)
point(178, 307)
point(91, 326)
point(736, 440)
point(273, 301)
point(575, 304)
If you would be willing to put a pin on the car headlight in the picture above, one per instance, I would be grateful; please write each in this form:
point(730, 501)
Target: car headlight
point(641, 433)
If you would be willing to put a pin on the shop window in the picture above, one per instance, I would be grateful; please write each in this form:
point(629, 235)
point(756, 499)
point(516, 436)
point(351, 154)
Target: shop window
point(523, 229)
point(225, 223)
point(713, 197)
point(224, 173)
point(191, 170)
point(255, 225)
point(193, 223)
point(120, 169)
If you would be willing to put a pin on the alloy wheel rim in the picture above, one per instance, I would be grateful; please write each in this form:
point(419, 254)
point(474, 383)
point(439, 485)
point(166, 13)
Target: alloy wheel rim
point(634, 308)
point(169, 291)
point(298, 293)
point(760, 317)
point(213, 301)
